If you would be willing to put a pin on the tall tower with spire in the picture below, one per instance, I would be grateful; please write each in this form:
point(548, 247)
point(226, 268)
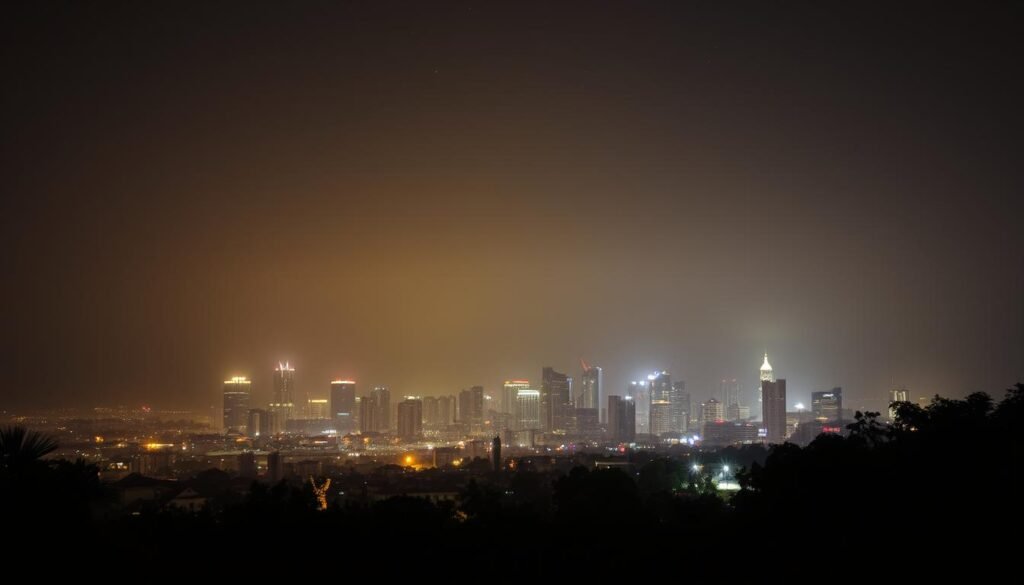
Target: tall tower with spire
point(767, 375)
point(766, 370)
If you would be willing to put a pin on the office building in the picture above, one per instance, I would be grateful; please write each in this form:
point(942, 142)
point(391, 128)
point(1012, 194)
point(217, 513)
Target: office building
point(318, 408)
point(237, 391)
point(622, 419)
point(528, 415)
point(712, 411)
point(259, 423)
point(343, 405)
point(897, 394)
point(589, 395)
point(471, 409)
point(509, 392)
point(680, 407)
point(766, 375)
point(827, 406)
point(773, 409)
point(283, 403)
point(410, 419)
point(641, 395)
point(555, 401)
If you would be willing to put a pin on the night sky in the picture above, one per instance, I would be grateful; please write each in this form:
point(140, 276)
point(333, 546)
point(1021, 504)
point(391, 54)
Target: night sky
point(432, 196)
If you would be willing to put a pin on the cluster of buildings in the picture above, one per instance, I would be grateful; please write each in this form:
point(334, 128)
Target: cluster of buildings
point(560, 409)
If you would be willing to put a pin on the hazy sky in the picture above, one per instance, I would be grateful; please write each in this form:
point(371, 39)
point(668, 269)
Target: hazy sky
point(436, 195)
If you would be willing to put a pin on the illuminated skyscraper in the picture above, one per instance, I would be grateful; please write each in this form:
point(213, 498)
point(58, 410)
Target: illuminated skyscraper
point(555, 400)
point(640, 392)
point(622, 419)
point(681, 406)
point(897, 394)
point(711, 411)
point(661, 413)
point(509, 391)
point(528, 410)
point(237, 391)
point(318, 408)
point(827, 406)
point(589, 395)
point(773, 408)
point(283, 405)
point(661, 417)
point(661, 385)
point(767, 375)
point(410, 419)
point(471, 408)
point(343, 405)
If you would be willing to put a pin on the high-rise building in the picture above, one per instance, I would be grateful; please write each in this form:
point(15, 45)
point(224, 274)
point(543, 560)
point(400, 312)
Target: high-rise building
point(711, 411)
point(767, 375)
point(471, 408)
point(259, 423)
point(528, 410)
point(555, 401)
point(684, 412)
point(446, 410)
point(659, 388)
point(431, 413)
point(661, 417)
point(827, 406)
point(897, 394)
point(237, 391)
point(622, 419)
point(410, 419)
point(382, 408)
point(283, 404)
point(590, 387)
point(679, 406)
point(729, 393)
point(586, 420)
point(773, 409)
point(509, 391)
point(318, 408)
point(343, 405)
point(721, 434)
point(367, 414)
point(737, 412)
point(640, 392)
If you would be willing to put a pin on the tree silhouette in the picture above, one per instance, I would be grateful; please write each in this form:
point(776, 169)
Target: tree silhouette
point(22, 449)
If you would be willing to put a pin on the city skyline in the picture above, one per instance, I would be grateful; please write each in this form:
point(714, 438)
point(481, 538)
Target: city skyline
point(433, 196)
point(577, 388)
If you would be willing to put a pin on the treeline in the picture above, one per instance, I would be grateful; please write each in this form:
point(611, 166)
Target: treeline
point(939, 487)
